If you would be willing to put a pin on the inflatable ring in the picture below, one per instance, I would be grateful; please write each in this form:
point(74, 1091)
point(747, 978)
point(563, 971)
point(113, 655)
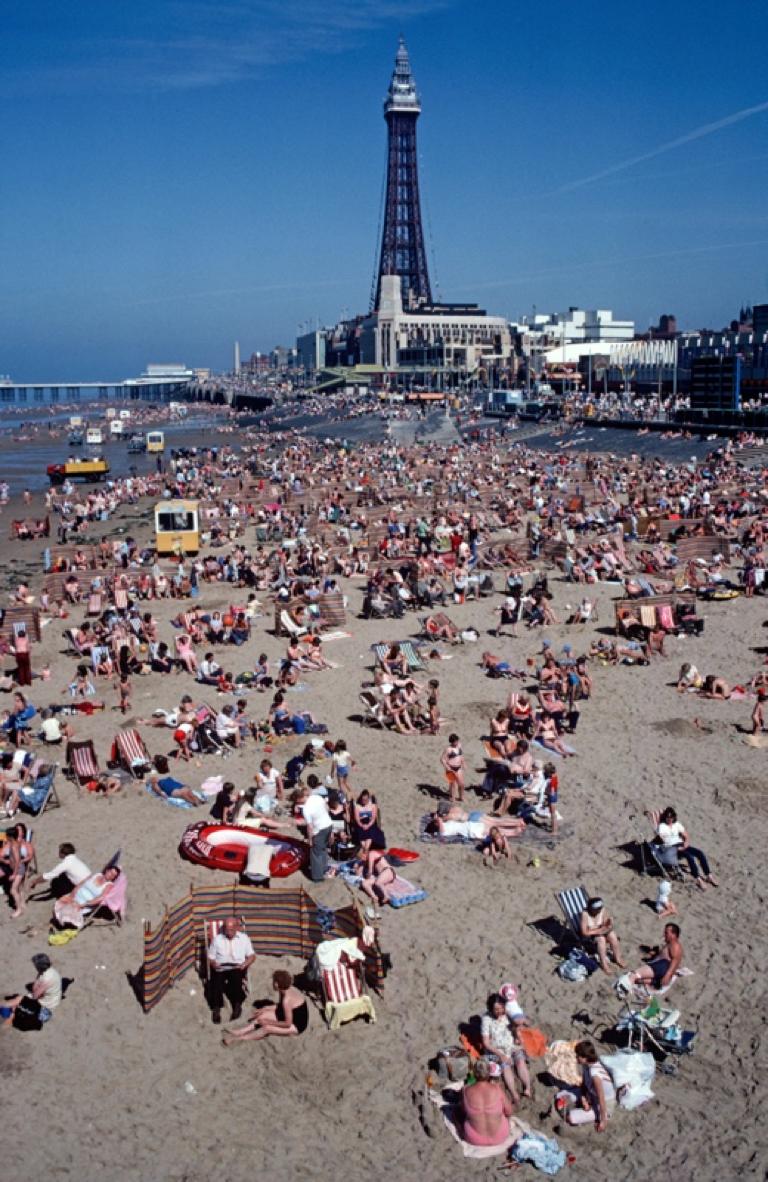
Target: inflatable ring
point(233, 847)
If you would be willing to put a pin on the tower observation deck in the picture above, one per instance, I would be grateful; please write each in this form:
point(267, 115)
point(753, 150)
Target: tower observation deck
point(402, 239)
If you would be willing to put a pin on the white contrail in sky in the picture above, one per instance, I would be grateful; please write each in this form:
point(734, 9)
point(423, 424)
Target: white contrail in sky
point(697, 134)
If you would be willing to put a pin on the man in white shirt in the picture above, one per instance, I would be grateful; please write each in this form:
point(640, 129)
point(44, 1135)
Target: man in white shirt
point(227, 728)
point(230, 955)
point(319, 824)
point(50, 729)
point(209, 670)
point(69, 872)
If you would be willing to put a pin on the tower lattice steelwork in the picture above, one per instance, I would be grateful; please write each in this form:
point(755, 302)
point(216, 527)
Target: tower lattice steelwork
point(402, 239)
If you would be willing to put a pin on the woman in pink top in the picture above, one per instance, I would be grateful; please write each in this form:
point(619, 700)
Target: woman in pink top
point(487, 1108)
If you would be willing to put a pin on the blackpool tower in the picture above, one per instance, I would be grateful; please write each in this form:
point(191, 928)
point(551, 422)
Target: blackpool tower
point(402, 239)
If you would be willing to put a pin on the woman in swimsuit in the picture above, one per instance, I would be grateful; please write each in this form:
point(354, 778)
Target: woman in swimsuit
point(288, 1017)
point(487, 1108)
point(378, 875)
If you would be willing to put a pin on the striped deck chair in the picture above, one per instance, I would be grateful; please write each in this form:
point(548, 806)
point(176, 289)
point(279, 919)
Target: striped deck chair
point(40, 793)
point(572, 903)
point(344, 996)
point(110, 908)
point(121, 599)
point(94, 604)
point(99, 652)
point(81, 760)
point(131, 753)
point(373, 710)
point(415, 662)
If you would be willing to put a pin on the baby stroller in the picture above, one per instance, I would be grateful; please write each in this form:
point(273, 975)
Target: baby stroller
point(655, 1028)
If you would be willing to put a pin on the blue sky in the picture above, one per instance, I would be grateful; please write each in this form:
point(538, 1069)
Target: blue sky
point(176, 175)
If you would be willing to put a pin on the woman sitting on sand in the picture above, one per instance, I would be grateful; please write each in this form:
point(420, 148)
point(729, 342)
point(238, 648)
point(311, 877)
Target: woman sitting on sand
point(546, 734)
point(453, 821)
point(486, 1106)
point(378, 876)
point(396, 710)
point(289, 1017)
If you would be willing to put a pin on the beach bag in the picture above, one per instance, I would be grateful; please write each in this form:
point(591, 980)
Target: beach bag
point(578, 966)
point(583, 958)
point(26, 1016)
point(455, 1062)
point(632, 1073)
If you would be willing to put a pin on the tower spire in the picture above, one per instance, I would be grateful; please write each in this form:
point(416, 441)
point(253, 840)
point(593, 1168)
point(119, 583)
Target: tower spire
point(402, 239)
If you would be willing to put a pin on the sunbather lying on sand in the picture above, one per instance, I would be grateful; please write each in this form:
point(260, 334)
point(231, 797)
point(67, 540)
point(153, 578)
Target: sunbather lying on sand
point(453, 821)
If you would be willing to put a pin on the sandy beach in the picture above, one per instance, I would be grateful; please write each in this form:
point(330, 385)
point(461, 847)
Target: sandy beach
point(106, 1092)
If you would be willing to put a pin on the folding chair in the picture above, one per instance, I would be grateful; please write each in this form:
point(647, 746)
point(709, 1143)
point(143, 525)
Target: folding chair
point(572, 902)
point(121, 599)
point(130, 751)
point(94, 604)
point(415, 663)
point(41, 794)
point(290, 628)
point(112, 903)
point(72, 644)
point(343, 993)
point(99, 653)
point(373, 710)
point(211, 928)
point(655, 856)
point(81, 760)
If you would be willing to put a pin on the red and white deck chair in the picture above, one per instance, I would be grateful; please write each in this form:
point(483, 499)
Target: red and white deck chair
point(121, 599)
point(343, 983)
point(129, 750)
point(82, 761)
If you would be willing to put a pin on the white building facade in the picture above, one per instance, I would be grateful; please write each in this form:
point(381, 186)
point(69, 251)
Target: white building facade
point(465, 335)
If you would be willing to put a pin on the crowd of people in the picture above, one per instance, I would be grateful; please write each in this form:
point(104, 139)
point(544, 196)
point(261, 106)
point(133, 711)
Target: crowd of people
point(294, 528)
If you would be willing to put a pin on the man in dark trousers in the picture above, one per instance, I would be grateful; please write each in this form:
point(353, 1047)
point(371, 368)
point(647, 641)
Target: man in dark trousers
point(230, 955)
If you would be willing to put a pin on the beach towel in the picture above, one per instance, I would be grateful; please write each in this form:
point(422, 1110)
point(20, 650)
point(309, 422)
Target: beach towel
point(556, 754)
point(666, 617)
point(647, 615)
point(337, 634)
point(402, 892)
